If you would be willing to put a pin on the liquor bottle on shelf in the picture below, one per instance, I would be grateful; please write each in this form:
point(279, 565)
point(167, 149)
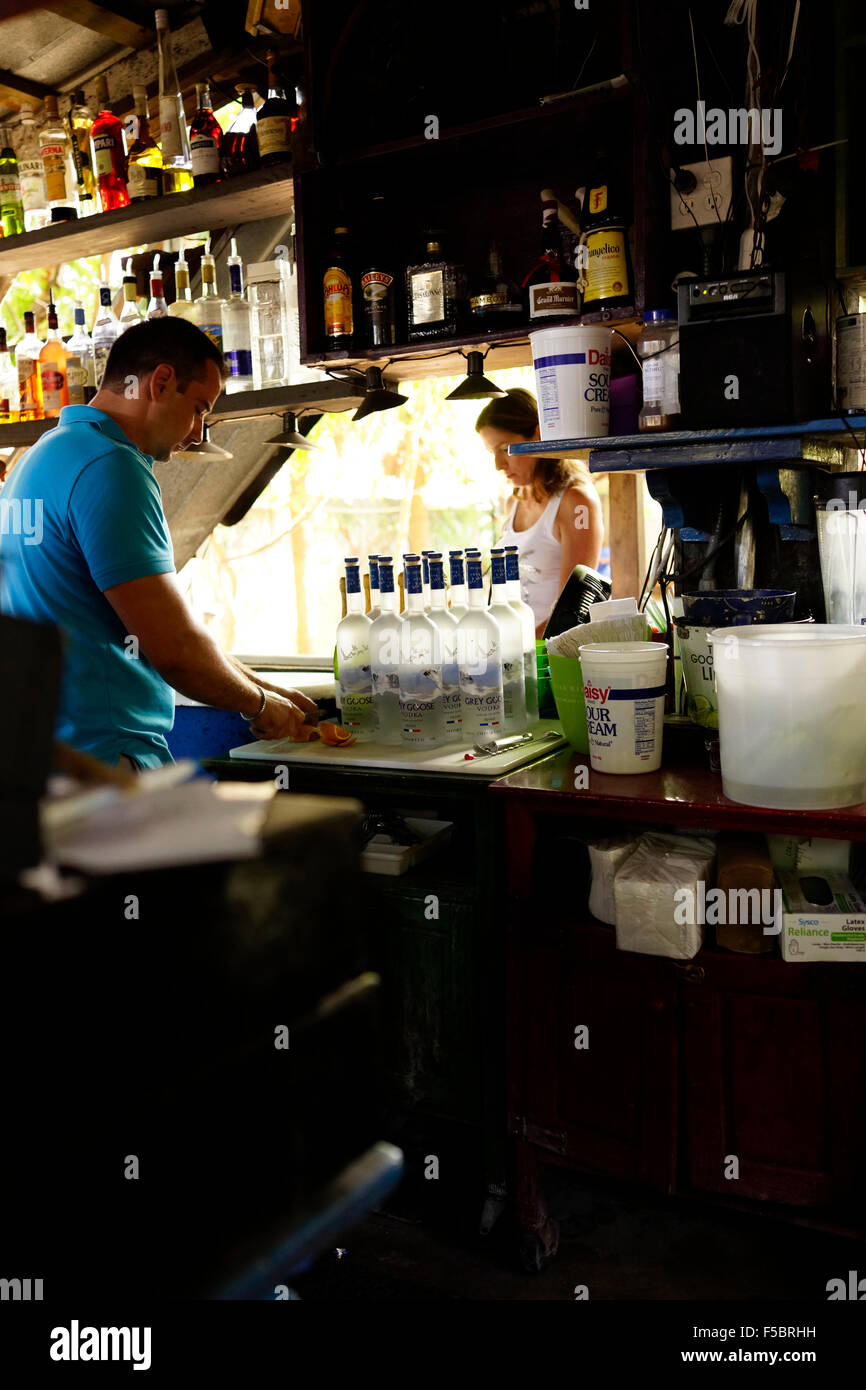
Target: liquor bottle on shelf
point(81, 361)
point(143, 160)
point(608, 270)
point(385, 656)
point(479, 659)
point(492, 303)
point(53, 385)
point(432, 290)
point(236, 328)
point(239, 148)
point(551, 284)
point(79, 121)
point(527, 618)
point(511, 630)
point(105, 329)
point(11, 205)
point(157, 307)
point(109, 157)
point(457, 603)
point(54, 153)
point(274, 118)
point(36, 214)
point(8, 383)
point(337, 288)
point(353, 654)
point(447, 625)
point(174, 141)
point(27, 351)
point(425, 578)
point(378, 280)
point(130, 314)
point(421, 698)
point(204, 140)
point(209, 307)
point(183, 306)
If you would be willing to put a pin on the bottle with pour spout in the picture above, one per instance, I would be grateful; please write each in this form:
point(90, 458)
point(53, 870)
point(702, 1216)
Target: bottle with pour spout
point(183, 306)
point(209, 306)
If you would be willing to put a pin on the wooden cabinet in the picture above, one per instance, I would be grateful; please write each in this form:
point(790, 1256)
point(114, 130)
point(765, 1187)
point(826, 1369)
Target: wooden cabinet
point(739, 1076)
point(593, 1054)
point(773, 1081)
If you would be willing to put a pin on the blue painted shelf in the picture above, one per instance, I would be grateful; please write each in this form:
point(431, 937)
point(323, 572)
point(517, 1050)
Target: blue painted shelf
point(767, 444)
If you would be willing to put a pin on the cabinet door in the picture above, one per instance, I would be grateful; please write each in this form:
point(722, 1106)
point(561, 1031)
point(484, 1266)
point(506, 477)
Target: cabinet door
point(775, 1081)
point(432, 1041)
point(594, 1070)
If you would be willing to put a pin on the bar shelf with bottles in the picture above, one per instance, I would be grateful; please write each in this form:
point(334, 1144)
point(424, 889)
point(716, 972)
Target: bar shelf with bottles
point(84, 183)
point(477, 196)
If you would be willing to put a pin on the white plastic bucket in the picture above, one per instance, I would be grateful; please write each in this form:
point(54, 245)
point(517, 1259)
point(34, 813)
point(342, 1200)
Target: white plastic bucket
point(624, 687)
point(791, 730)
point(572, 378)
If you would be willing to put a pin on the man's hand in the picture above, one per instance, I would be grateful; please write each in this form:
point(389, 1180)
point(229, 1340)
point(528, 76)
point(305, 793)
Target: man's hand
point(286, 715)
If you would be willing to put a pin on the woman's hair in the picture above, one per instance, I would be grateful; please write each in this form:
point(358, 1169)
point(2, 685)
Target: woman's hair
point(517, 413)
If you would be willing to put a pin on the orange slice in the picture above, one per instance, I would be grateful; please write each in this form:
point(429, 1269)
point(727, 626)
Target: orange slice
point(334, 735)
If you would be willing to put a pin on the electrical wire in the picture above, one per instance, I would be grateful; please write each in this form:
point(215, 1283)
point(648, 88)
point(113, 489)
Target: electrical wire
point(702, 108)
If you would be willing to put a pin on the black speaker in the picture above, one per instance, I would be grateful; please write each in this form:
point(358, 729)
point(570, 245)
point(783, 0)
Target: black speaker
point(752, 352)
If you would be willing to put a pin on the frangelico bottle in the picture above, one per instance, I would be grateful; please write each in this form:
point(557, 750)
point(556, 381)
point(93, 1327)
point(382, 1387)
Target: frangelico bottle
point(608, 268)
point(378, 280)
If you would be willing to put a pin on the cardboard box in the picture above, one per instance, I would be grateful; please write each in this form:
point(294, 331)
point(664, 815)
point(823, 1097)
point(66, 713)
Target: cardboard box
point(821, 932)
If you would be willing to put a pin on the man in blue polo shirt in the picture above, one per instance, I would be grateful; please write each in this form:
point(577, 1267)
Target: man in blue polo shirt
point(100, 564)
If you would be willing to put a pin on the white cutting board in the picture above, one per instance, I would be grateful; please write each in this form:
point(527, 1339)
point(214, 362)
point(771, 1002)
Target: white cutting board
point(380, 755)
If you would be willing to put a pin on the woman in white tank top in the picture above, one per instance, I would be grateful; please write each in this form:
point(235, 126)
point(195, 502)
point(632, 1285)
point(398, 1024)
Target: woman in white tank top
point(556, 519)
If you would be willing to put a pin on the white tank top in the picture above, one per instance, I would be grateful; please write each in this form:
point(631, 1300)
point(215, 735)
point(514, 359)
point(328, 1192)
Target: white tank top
point(540, 556)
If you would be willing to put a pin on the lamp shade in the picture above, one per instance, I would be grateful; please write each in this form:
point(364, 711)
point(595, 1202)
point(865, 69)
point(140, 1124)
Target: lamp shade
point(475, 385)
point(376, 395)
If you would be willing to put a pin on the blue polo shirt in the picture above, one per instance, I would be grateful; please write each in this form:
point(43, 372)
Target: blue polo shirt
point(81, 512)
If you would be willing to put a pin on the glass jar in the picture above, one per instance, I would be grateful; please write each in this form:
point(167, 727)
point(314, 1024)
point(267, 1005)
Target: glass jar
point(658, 349)
point(269, 326)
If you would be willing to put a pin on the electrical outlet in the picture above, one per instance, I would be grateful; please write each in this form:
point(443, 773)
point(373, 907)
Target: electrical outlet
point(710, 200)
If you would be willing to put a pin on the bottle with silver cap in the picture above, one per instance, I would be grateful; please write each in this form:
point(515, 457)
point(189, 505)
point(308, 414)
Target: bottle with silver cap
point(479, 662)
point(420, 667)
point(447, 625)
point(353, 653)
point(527, 618)
point(457, 604)
point(511, 627)
point(385, 655)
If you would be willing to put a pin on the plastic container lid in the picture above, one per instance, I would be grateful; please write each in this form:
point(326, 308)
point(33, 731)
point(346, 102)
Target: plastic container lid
point(623, 653)
point(660, 316)
point(785, 634)
point(613, 608)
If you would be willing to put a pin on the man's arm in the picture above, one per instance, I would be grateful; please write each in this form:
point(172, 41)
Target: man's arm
point(186, 656)
point(267, 685)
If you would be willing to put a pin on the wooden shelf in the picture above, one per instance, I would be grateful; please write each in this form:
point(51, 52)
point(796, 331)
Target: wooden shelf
point(318, 396)
point(577, 104)
point(24, 432)
point(268, 193)
point(444, 356)
point(678, 789)
point(790, 443)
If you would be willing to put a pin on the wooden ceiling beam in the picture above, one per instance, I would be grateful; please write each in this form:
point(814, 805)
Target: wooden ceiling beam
point(15, 91)
point(124, 31)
